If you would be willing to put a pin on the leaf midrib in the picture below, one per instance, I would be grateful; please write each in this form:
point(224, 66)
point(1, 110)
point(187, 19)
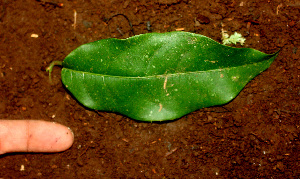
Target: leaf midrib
point(175, 74)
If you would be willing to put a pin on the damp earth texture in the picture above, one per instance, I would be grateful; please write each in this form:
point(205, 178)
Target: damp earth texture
point(255, 135)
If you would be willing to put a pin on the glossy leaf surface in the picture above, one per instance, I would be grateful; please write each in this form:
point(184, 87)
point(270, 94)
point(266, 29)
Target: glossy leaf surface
point(159, 76)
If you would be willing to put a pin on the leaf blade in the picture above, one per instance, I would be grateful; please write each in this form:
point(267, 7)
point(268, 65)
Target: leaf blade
point(167, 93)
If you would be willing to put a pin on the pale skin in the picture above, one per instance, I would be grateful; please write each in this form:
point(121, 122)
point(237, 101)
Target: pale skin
point(34, 136)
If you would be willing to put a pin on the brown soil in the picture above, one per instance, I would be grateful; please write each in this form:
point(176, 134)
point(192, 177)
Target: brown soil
point(254, 136)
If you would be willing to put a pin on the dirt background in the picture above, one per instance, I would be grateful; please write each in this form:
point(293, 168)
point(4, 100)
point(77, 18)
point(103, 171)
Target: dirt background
point(254, 136)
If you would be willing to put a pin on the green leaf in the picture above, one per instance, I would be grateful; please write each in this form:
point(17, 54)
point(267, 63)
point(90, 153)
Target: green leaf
point(159, 76)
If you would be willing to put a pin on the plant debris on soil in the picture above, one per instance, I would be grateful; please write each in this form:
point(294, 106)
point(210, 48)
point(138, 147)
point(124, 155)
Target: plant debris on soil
point(254, 136)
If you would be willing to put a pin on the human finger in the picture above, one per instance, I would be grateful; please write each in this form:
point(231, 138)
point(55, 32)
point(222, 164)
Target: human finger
point(34, 136)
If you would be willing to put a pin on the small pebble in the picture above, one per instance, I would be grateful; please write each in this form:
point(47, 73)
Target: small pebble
point(203, 19)
point(87, 24)
point(292, 23)
point(148, 24)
